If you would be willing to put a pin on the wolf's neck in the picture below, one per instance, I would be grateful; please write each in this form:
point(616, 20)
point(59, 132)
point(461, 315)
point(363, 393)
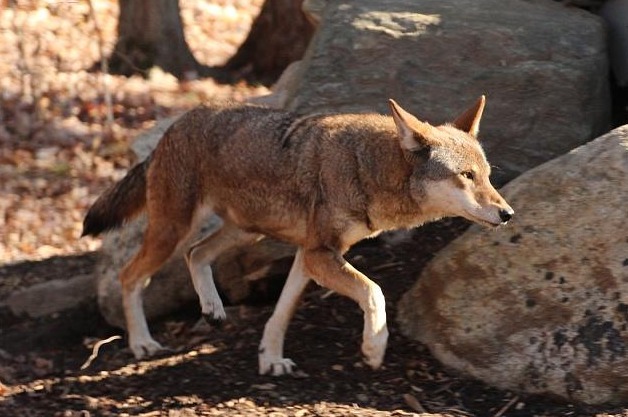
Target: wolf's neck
point(386, 176)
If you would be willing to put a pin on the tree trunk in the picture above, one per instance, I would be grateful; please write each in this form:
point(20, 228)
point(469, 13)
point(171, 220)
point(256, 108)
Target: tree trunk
point(279, 36)
point(150, 33)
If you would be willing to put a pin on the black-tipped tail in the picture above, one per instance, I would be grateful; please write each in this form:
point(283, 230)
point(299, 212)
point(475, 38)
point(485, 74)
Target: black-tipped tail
point(120, 203)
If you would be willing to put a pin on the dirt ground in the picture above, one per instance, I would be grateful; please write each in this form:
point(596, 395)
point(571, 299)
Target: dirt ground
point(213, 371)
point(57, 153)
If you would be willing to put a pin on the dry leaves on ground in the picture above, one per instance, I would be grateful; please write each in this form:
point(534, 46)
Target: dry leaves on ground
point(56, 153)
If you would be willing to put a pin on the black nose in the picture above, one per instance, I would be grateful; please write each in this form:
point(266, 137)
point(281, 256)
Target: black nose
point(506, 214)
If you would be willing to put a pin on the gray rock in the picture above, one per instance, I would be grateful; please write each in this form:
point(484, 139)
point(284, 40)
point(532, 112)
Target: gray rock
point(543, 66)
point(51, 297)
point(542, 305)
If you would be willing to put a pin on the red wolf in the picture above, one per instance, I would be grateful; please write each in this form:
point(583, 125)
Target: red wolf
point(320, 182)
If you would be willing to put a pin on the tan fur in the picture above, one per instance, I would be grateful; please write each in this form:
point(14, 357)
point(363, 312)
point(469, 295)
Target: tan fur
point(321, 182)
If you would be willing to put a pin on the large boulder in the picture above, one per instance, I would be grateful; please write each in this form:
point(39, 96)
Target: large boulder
point(540, 306)
point(251, 273)
point(543, 66)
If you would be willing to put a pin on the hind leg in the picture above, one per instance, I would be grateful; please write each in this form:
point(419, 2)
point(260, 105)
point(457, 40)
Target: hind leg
point(159, 243)
point(199, 257)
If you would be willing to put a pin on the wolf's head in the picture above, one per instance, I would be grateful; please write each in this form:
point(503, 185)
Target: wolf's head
point(451, 173)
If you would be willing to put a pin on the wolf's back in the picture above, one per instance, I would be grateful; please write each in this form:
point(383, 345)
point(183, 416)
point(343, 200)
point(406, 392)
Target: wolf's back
point(123, 201)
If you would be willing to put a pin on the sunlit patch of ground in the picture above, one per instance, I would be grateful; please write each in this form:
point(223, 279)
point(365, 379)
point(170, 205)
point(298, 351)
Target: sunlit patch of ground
point(57, 151)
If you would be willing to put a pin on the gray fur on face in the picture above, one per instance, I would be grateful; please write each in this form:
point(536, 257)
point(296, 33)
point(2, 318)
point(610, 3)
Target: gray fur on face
point(440, 167)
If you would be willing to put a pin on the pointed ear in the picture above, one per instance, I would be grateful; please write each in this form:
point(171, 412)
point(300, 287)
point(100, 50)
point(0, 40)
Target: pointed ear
point(469, 121)
point(413, 134)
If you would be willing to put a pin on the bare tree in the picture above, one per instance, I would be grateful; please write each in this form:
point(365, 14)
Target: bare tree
point(279, 35)
point(150, 33)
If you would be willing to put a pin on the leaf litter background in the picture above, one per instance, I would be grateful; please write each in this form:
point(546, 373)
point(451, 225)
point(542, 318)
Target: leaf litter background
point(57, 154)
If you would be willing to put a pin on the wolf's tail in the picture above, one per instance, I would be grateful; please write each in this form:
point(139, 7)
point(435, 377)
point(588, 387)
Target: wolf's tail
point(123, 201)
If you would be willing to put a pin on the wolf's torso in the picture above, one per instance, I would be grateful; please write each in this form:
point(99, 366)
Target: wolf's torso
point(280, 174)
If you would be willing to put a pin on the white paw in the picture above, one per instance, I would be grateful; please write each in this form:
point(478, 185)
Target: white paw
point(213, 310)
point(145, 348)
point(374, 348)
point(275, 366)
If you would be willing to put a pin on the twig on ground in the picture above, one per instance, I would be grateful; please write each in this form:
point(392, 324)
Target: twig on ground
point(96, 348)
point(413, 403)
point(456, 411)
point(328, 294)
point(507, 406)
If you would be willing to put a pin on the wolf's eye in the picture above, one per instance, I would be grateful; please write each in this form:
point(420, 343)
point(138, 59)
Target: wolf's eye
point(468, 175)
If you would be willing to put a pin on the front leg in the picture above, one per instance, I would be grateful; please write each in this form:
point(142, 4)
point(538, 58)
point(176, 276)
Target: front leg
point(329, 269)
